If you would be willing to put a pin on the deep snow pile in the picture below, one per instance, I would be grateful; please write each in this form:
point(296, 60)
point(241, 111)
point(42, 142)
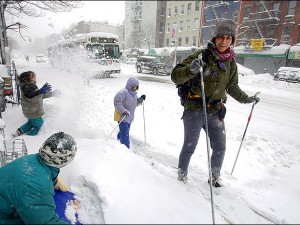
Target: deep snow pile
point(142, 187)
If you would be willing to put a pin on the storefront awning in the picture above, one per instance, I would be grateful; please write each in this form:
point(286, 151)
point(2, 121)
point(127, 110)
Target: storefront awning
point(274, 52)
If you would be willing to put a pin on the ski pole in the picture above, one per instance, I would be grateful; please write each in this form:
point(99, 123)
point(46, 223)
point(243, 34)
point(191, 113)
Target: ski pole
point(249, 118)
point(144, 123)
point(207, 140)
point(115, 128)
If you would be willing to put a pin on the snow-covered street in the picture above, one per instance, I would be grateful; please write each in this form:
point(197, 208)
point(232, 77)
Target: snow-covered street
point(140, 185)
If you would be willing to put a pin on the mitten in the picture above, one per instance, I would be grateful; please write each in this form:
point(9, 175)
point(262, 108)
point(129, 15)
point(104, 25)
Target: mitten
point(60, 185)
point(46, 88)
point(125, 113)
point(141, 99)
point(196, 65)
point(253, 99)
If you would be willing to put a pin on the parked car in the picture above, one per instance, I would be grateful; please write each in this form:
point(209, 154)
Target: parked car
point(131, 61)
point(294, 76)
point(153, 65)
point(40, 58)
point(289, 74)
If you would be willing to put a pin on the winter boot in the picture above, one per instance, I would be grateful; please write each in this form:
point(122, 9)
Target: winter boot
point(182, 176)
point(216, 182)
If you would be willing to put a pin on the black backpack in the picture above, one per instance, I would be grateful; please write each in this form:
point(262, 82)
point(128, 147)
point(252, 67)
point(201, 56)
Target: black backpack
point(184, 88)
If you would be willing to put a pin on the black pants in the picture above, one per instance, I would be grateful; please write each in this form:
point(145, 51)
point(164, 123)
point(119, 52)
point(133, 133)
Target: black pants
point(194, 121)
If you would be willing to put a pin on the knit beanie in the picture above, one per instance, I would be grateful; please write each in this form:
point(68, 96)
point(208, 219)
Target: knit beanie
point(58, 150)
point(224, 27)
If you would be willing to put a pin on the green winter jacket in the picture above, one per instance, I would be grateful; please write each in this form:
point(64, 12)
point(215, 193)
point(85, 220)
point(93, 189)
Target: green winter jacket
point(217, 81)
point(27, 191)
point(32, 106)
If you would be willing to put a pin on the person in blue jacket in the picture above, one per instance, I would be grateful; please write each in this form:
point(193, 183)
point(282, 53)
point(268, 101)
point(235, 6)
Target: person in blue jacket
point(125, 102)
point(27, 185)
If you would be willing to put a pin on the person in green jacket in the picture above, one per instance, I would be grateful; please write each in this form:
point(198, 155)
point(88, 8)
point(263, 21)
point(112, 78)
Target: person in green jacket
point(27, 184)
point(32, 103)
point(220, 76)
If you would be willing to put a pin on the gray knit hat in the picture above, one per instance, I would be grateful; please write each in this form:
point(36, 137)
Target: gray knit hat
point(58, 150)
point(225, 27)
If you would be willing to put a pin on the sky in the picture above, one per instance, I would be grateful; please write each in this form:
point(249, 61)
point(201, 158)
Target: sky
point(111, 11)
point(140, 185)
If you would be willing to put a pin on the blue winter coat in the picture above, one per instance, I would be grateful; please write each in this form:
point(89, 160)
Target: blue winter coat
point(27, 191)
point(126, 99)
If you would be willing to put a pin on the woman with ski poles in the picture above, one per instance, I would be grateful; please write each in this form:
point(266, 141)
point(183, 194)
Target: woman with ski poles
point(220, 77)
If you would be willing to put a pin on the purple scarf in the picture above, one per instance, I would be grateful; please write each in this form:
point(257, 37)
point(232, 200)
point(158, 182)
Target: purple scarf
point(228, 54)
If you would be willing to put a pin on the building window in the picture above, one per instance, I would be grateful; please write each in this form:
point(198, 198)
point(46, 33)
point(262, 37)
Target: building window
point(162, 11)
point(181, 26)
point(167, 42)
point(169, 12)
point(247, 12)
point(276, 6)
point(182, 10)
point(287, 30)
point(197, 6)
point(188, 26)
point(186, 41)
point(175, 10)
point(196, 23)
point(161, 27)
point(194, 40)
point(168, 28)
point(189, 8)
point(236, 16)
point(225, 15)
point(292, 6)
point(179, 41)
point(271, 32)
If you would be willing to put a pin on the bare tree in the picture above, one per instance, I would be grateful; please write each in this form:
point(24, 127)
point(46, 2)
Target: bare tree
point(148, 35)
point(20, 8)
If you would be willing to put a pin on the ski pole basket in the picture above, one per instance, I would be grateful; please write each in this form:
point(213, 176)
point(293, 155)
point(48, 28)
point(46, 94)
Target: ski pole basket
point(8, 154)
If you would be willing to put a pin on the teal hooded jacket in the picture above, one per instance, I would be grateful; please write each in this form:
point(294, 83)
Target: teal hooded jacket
point(27, 191)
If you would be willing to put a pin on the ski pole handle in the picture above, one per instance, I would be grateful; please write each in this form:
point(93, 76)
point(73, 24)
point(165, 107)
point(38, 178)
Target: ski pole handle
point(257, 93)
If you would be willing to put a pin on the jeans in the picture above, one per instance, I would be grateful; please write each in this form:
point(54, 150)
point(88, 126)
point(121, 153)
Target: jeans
point(32, 127)
point(194, 121)
point(123, 134)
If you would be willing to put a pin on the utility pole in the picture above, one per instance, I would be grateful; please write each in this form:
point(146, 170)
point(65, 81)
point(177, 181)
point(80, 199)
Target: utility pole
point(3, 39)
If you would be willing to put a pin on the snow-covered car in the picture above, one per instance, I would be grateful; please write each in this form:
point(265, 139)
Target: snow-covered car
point(131, 61)
point(290, 74)
point(294, 76)
point(40, 58)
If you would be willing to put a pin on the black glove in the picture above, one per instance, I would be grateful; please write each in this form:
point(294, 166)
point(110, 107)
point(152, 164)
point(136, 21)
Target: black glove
point(143, 97)
point(196, 65)
point(253, 99)
point(46, 88)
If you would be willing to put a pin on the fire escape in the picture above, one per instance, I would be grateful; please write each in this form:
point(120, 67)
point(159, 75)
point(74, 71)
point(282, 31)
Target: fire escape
point(254, 23)
point(137, 16)
point(210, 23)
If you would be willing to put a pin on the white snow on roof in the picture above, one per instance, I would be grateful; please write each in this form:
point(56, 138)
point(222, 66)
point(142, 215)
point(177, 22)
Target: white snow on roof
point(295, 48)
point(281, 49)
